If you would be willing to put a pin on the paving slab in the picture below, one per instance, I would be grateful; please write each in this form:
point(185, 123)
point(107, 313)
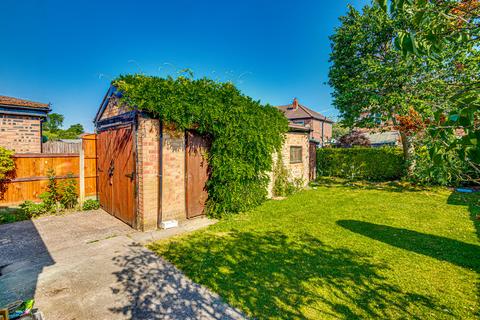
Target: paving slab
point(89, 265)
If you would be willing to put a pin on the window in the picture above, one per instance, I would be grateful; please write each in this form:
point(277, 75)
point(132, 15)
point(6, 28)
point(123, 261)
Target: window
point(295, 154)
point(300, 122)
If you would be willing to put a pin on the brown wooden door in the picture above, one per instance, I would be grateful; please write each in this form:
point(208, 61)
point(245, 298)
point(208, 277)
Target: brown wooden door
point(197, 173)
point(116, 173)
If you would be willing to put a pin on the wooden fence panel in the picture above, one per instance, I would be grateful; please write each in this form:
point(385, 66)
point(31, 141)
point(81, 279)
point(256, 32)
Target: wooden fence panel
point(90, 163)
point(30, 177)
point(61, 147)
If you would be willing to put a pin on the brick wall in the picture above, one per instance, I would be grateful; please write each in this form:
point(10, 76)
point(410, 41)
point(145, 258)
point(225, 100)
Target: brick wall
point(148, 165)
point(114, 108)
point(20, 133)
point(173, 186)
point(296, 170)
point(173, 174)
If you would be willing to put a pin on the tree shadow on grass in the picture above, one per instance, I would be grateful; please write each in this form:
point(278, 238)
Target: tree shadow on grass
point(472, 201)
point(460, 253)
point(271, 275)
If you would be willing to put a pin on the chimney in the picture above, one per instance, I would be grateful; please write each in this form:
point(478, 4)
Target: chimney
point(295, 104)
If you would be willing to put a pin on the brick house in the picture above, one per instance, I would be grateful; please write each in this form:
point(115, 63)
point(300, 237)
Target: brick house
point(21, 124)
point(321, 126)
point(150, 173)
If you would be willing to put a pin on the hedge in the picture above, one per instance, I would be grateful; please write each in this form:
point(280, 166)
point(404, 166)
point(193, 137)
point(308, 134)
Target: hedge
point(359, 163)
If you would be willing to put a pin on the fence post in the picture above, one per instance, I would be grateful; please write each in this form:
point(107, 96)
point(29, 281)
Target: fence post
point(81, 175)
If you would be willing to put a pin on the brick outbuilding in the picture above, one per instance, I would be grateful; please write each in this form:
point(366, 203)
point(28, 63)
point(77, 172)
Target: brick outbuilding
point(21, 124)
point(150, 173)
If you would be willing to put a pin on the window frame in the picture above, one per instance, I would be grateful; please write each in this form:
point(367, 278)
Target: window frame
point(294, 161)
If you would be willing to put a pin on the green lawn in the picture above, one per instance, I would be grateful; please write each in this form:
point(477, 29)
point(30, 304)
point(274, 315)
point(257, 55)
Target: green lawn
point(343, 252)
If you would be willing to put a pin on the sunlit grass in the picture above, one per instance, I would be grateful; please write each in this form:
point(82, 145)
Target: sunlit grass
point(358, 251)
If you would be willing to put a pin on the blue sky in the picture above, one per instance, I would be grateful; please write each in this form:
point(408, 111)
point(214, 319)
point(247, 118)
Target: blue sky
point(67, 52)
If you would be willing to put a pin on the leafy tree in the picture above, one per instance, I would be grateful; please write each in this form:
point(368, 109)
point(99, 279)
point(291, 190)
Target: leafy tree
point(453, 26)
point(375, 85)
point(372, 82)
point(52, 128)
point(338, 130)
point(53, 123)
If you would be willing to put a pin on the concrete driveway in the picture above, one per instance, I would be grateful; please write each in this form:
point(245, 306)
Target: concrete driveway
point(89, 265)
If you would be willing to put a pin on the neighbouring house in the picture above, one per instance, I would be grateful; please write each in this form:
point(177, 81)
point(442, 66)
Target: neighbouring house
point(384, 139)
point(21, 124)
point(321, 126)
point(151, 175)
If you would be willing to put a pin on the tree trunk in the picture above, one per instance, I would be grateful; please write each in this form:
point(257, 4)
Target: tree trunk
point(408, 152)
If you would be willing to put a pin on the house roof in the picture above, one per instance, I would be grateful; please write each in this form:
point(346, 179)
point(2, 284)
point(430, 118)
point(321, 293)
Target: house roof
point(382, 138)
point(301, 112)
point(22, 103)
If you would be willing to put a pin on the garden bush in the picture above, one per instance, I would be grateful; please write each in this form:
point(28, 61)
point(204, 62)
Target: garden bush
point(373, 164)
point(59, 196)
point(7, 164)
point(90, 204)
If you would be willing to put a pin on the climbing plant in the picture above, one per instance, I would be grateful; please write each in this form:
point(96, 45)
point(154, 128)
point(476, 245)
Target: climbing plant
point(244, 133)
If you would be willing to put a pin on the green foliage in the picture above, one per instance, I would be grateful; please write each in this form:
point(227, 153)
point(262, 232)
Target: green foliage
point(368, 75)
point(32, 209)
point(244, 133)
point(52, 128)
point(59, 196)
point(373, 164)
point(7, 164)
point(68, 193)
point(90, 204)
point(339, 130)
point(53, 123)
point(9, 215)
point(446, 168)
point(283, 184)
point(439, 29)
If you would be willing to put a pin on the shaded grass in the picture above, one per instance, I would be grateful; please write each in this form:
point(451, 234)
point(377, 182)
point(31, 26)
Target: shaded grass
point(9, 214)
point(355, 251)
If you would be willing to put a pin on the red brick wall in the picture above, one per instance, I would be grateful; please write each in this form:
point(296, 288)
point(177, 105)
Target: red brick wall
point(20, 133)
point(173, 188)
point(173, 174)
point(148, 163)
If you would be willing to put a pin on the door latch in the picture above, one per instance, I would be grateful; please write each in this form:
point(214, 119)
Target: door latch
point(130, 175)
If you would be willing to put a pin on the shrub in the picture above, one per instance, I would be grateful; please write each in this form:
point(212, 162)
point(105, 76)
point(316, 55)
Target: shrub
point(374, 164)
point(283, 185)
point(449, 170)
point(55, 199)
point(90, 204)
point(68, 196)
point(7, 164)
point(32, 209)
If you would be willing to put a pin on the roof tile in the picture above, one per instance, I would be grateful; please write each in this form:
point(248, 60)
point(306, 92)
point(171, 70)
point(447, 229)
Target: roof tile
point(15, 102)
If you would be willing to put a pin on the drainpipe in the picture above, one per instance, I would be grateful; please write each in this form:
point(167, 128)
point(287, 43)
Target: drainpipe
point(160, 174)
point(323, 124)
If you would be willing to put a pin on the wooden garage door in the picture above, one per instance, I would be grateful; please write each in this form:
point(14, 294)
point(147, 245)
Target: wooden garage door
point(116, 173)
point(197, 173)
